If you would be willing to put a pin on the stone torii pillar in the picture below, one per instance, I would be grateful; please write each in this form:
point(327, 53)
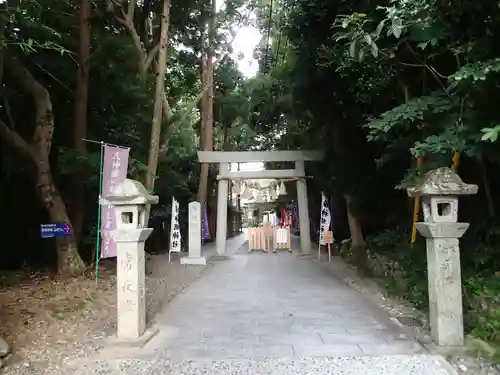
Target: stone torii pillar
point(222, 194)
point(439, 191)
point(305, 226)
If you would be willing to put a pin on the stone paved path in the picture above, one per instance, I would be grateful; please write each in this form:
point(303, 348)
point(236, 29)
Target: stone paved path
point(275, 314)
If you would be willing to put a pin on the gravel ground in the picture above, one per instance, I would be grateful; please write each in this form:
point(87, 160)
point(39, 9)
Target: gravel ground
point(473, 366)
point(74, 321)
point(384, 365)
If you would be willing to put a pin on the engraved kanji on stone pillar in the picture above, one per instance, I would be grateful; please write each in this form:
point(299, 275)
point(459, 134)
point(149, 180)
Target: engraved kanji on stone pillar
point(194, 237)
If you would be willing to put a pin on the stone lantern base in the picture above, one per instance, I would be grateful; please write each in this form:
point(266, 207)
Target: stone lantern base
point(194, 261)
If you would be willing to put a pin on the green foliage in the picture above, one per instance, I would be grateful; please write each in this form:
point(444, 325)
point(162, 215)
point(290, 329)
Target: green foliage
point(120, 109)
point(477, 71)
point(419, 112)
point(482, 306)
point(254, 223)
point(407, 274)
point(490, 134)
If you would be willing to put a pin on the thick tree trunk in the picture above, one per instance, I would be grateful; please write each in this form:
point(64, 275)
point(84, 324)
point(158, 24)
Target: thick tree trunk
point(154, 144)
point(69, 261)
point(357, 239)
point(207, 103)
point(80, 115)
point(355, 227)
point(204, 167)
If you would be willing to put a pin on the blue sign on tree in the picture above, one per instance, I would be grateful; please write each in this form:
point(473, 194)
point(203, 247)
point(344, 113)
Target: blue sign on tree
point(55, 230)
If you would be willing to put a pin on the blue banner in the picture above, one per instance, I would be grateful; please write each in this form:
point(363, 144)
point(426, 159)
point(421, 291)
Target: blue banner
point(55, 230)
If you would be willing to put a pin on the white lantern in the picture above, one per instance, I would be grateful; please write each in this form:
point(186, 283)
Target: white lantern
point(247, 194)
point(237, 188)
point(282, 190)
point(261, 197)
point(273, 195)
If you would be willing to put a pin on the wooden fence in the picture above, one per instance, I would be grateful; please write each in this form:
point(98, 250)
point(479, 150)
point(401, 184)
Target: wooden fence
point(268, 239)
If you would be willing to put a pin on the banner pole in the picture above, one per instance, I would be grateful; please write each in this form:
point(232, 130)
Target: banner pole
point(104, 143)
point(98, 234)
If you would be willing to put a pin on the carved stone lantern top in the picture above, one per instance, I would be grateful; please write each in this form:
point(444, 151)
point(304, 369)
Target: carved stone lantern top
point(130, 199)
point(442, 181)
point(130, 192)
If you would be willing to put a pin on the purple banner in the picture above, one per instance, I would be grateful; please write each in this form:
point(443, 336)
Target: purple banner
point(295, 214)
point(114, 172)
point(205, 231)
point(333, 213)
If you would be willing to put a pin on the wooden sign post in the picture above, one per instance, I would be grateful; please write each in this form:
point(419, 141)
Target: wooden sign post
point(328, 239)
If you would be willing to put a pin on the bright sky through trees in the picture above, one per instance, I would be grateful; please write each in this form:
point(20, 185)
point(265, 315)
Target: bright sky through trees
point(244, 44)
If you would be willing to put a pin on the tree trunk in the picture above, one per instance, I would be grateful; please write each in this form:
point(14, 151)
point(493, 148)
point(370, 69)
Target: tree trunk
point(144, 22)
point(80, 114)
point(207, 103)
point(487, 188)
point(145, 57)
point(154, 144)
point(69, 261)
point(357, 239)
point(355, 228)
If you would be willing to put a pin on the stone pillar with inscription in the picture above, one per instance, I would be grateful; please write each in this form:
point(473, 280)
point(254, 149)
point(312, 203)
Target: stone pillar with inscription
point(194, 237)
point(439, 192)
point(130, 200)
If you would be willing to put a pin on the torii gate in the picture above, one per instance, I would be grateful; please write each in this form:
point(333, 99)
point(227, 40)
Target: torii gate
point(223, 158)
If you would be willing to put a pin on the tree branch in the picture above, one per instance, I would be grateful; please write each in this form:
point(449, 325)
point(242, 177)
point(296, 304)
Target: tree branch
point(44, 127)
point(131, 9)
point(123, 21)
point(128, 22)
point(176, 126)
point(150, 56)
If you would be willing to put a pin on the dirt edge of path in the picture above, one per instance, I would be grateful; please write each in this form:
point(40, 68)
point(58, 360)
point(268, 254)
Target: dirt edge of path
point(50, 322)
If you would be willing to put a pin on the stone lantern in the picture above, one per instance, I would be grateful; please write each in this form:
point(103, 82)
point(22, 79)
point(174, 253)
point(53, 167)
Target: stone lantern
point(130, 200)
point(439, 192)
